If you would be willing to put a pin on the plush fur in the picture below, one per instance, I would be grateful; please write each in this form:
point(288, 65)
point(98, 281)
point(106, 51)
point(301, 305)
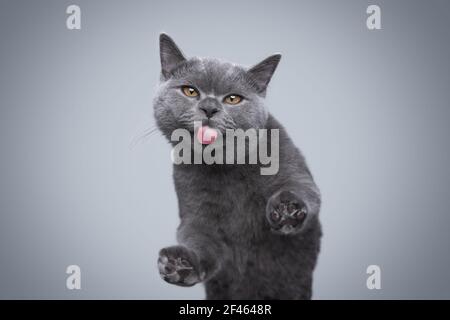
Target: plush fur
point(243, 234)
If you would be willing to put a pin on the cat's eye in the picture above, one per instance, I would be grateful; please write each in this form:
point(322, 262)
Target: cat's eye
point(232, 99)
point(190, 91)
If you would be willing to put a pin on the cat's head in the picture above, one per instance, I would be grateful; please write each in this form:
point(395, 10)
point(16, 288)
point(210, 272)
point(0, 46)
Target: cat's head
point(218, 94)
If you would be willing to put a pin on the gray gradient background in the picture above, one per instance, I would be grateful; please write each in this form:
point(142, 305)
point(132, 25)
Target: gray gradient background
point(369, 109)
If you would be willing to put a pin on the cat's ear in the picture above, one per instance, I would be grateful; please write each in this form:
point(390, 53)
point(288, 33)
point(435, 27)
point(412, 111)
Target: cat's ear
point(170, 55)
point(263, 71)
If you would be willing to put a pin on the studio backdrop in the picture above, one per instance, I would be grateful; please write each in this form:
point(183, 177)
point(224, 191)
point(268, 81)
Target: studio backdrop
point(363, 88)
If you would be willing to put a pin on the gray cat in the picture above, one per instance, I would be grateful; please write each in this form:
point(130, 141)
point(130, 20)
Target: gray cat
point(243, 234)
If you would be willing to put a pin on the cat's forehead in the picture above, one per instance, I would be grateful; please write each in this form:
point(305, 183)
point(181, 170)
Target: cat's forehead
point(214, 76)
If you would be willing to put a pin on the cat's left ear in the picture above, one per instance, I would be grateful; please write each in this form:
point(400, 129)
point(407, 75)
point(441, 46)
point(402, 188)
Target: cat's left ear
point(263, 71)
point(170, 55)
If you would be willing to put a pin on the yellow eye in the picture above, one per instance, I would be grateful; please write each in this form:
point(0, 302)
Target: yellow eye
point(232, 99)
point(189, 91)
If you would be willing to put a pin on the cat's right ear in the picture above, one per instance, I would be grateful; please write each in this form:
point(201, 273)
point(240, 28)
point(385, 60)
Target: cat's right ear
point(170, 54)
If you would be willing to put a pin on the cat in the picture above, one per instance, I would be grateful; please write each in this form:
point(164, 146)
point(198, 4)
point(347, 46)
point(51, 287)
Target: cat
point(243, 234)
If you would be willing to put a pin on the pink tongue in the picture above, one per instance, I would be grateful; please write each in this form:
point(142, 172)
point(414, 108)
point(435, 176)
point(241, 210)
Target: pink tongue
point(206, 135)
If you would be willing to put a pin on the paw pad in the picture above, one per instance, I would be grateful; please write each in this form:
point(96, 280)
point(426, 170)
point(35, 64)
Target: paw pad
point(286, 213)
point(175, 266)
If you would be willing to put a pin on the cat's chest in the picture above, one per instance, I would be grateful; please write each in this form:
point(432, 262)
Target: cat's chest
point(228, 195)
point(232, 206)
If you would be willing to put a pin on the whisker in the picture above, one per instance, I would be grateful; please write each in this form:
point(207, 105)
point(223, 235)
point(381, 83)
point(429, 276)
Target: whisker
point(143, 135)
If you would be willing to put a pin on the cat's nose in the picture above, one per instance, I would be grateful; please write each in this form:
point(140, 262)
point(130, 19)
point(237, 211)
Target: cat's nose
point(209, 110)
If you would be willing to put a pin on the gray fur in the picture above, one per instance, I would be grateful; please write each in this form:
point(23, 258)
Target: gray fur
point(243, 234)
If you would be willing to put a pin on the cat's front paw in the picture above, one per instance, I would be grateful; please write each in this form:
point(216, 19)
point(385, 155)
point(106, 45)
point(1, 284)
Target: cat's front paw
point(286, 212)
point(179, 265)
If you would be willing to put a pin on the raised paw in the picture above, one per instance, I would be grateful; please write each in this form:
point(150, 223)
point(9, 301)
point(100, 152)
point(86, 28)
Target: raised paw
point(286, 213)
point(179, 265)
